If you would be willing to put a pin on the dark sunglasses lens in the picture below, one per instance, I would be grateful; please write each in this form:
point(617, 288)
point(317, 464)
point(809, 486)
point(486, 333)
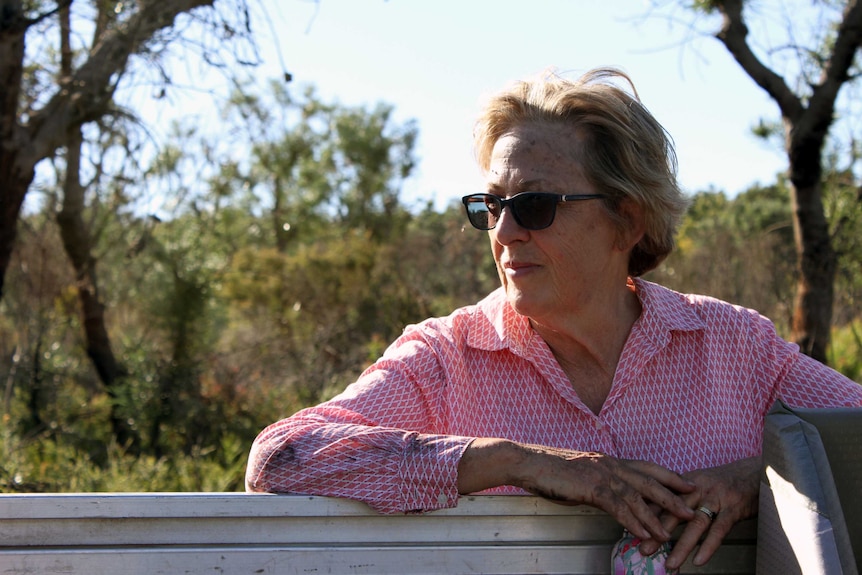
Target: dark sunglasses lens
point(482, 211)
point(534, 211)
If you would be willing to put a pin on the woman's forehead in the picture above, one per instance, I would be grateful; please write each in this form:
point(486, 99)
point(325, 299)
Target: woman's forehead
point(551, 140)
point(533, 154)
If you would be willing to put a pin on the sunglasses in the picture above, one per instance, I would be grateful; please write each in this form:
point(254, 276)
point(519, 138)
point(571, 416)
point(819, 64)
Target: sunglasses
point(531, 210)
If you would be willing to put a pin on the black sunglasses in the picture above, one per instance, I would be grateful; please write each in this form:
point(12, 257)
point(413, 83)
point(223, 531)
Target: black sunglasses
point(531, 210)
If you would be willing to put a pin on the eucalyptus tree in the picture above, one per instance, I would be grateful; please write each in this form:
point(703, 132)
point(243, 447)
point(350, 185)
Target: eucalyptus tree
point(40, 103)
point(805, 53)
point(65, 68)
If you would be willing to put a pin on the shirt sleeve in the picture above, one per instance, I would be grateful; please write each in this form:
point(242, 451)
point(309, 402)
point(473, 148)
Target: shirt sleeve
point(797, 379)
point(807, 383)
point(380, 441)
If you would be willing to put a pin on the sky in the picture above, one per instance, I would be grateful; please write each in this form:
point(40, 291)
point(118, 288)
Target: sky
point(435, 60)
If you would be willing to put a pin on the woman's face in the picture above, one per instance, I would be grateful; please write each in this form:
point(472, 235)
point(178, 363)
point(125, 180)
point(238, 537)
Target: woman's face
point(576, 261)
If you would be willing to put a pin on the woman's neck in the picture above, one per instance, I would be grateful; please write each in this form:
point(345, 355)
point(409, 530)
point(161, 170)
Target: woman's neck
point(588, 343)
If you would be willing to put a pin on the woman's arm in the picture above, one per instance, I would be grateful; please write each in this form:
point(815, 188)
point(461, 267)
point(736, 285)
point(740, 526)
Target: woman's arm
point(335, 452)
point(621, 488)
point(381, 441)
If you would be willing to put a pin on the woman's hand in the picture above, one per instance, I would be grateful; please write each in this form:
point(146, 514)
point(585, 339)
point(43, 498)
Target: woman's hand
point(622, 488)
point(730, 491)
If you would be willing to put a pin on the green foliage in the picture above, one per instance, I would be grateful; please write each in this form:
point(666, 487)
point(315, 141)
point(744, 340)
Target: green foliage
point(740, 250)
point(313, 163)
point(707, 6)
point(320, 313)
point(47, 466)
point(845, 354)
point(277, 277)
point(223, 333)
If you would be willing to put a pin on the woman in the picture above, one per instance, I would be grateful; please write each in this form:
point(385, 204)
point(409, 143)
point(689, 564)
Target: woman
point(576, 380)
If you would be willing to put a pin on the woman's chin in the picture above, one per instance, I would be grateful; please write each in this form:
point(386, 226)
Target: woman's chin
point(524, 303)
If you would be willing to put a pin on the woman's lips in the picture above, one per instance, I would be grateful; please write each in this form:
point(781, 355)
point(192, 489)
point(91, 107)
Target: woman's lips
point(516, 269)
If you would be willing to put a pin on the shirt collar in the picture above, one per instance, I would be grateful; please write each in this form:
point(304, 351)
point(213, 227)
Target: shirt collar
point(666, 309)
point(496, 326)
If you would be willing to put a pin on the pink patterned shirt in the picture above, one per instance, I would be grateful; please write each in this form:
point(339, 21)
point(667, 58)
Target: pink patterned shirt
point(693, 384)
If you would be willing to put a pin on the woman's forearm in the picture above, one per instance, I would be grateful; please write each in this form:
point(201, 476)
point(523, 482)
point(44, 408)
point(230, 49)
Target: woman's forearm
point(488, 463)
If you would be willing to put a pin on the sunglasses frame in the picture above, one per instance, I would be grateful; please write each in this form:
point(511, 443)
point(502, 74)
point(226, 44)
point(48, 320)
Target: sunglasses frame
point(510, 203)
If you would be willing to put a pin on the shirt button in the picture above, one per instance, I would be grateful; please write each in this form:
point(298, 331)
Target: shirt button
point(599, 424)
point(442, 499)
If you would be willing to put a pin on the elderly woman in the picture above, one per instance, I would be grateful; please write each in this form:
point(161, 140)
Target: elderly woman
point(576, 380)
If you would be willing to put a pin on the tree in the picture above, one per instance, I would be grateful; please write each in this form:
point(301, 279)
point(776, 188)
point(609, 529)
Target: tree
point(314, 159)
point(76, 235)
point(806, 96)
point(37, 115)
point(59, 101)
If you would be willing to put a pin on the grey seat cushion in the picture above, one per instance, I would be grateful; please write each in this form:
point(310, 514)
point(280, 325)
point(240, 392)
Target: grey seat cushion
point(810, 519)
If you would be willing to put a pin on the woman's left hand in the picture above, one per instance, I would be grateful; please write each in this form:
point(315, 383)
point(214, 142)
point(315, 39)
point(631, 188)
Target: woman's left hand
point(730, 491)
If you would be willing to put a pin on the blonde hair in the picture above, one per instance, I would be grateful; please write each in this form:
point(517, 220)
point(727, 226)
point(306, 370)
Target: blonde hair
point(627, 154)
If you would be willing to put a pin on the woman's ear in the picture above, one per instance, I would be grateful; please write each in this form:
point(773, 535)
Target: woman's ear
point(634, 226)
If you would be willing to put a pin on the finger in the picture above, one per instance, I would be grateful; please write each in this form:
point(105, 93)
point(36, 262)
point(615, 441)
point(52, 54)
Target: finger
point(664, 476)
point(669, 522)
point(627, 506)
point(631, 523)
point(688, 540)
point(650, 515)
point(717, 532)
point(655, 483)
point(649, 519)
point(626, 490)
point(669, 501)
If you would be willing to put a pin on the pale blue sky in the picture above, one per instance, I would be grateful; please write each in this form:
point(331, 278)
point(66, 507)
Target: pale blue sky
point(435, 59)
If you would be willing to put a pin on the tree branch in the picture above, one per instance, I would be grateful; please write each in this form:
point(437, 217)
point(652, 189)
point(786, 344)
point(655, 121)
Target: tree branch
point(733, 35)
point(89, 92)
point(836, 72)
point(62, 5)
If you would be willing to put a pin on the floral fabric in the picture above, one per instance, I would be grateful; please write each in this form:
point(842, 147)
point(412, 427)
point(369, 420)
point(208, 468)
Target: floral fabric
point(626, 559)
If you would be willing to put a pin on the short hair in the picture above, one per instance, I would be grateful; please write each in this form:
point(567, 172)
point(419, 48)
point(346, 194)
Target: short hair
point(627, 153)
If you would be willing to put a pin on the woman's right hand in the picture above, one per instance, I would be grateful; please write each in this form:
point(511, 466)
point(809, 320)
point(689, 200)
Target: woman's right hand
point(622, 488)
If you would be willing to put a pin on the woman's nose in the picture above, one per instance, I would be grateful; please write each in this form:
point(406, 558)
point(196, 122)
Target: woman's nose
point(507, 229)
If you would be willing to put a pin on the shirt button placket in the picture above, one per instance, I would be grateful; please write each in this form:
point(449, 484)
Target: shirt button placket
point(606, 441)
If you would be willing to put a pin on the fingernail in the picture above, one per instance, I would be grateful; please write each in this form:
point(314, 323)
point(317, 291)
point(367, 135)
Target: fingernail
point(648, 549)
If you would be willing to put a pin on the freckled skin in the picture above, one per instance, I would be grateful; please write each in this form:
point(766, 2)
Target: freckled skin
point(575, 264)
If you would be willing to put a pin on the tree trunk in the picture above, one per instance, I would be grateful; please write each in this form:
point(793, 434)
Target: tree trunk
point(85, 98)
point(78, 245)
point(282, 234)
point(13, 188)
point(812, 310)
point(806, 134)
point(14, 180)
